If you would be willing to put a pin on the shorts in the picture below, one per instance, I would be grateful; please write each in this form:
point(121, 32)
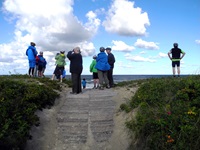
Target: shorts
point(59, 70)
point(40, 67)
point(32, 63)
point(95, 75)
point(175, 63)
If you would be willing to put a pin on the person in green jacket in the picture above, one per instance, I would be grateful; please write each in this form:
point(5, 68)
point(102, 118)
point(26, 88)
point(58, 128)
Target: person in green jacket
point(60, 65)
point(94, 71)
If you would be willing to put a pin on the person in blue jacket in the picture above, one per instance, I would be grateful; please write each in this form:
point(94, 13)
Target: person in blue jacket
point(102, 67)
point(31, 52)
point(84, 82)
point(41, 65)
point(44, 67)
point(64, 74)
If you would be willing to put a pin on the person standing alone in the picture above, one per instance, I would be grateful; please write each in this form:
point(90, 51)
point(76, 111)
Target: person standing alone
point(175, 58)
point(111, 61)
point(31, 52)
point(76, 68)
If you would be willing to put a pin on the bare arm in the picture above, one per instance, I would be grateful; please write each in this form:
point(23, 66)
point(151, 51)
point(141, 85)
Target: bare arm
point(182, 55)
point(169, 55)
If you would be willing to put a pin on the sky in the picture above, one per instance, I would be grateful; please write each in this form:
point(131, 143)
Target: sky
point(139, 32)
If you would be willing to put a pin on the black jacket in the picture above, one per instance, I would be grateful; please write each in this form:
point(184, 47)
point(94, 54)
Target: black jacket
point(76, 62)
point(111, 60)
point(176, 53)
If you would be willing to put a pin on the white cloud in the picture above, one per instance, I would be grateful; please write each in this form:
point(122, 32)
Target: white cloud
point(124, 19)
point(197, 41)
point(121, 46)
point(158, 56)
point(138, 58)
point(146, 45)
point(51, 25)
point(88, 49)
point(142, 52)
point(162, 55)
point(93, 23)
point(123, 65)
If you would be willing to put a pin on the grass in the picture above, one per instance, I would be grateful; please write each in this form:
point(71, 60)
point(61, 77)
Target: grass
point(167, 110)
point(168, 113)
point(20, 97)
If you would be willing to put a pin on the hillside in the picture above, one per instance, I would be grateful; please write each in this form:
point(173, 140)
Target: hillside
point(142, 114)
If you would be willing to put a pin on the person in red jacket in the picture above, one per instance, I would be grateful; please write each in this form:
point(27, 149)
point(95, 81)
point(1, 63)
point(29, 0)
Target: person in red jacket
point(36, 66)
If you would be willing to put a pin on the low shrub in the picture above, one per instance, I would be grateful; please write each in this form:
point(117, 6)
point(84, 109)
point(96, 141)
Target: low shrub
point(125, 108)
point(168, 114)
point(20, 97)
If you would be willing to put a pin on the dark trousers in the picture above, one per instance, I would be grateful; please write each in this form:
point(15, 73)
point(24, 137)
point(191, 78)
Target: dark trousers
point(110, 77)
point(76, 83)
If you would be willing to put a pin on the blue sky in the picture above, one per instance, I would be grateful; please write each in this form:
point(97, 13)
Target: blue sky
point(140, 33)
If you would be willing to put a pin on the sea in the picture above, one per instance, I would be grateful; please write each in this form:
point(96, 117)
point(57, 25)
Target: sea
point(117, 78)
point(121, 78)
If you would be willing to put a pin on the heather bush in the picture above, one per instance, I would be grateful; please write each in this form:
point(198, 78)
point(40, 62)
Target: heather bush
point(168, 114)
point(20, 98)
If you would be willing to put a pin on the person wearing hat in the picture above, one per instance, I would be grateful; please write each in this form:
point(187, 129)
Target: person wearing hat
point(31, 52)
point(76, 68)
point(60, 65)
point(94, 72)
point(111, 61)
point(175, 58)
point(102, 67)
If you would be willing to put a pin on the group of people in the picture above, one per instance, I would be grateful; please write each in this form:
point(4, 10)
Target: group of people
point(102, 69)
point(76, 67)
point(37, 63)
point(101, 66)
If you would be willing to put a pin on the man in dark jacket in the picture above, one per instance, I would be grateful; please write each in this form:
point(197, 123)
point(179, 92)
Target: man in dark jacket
point(76, 67)
point(111, 61)
point(176, 57)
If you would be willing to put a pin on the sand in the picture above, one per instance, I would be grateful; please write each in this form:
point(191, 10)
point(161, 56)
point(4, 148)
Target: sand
point(48, 135)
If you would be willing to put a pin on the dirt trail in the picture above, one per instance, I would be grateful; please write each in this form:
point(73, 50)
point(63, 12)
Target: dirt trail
point(87, 121)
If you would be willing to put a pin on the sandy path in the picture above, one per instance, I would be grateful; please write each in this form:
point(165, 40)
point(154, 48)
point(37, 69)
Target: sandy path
point(88, 121)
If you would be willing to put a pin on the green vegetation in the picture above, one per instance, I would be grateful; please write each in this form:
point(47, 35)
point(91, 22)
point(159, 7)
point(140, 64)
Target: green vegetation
point(167, 114)
point(20, 97)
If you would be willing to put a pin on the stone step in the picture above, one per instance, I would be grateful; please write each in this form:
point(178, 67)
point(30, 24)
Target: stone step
point(72, 120)
point(83, 115)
